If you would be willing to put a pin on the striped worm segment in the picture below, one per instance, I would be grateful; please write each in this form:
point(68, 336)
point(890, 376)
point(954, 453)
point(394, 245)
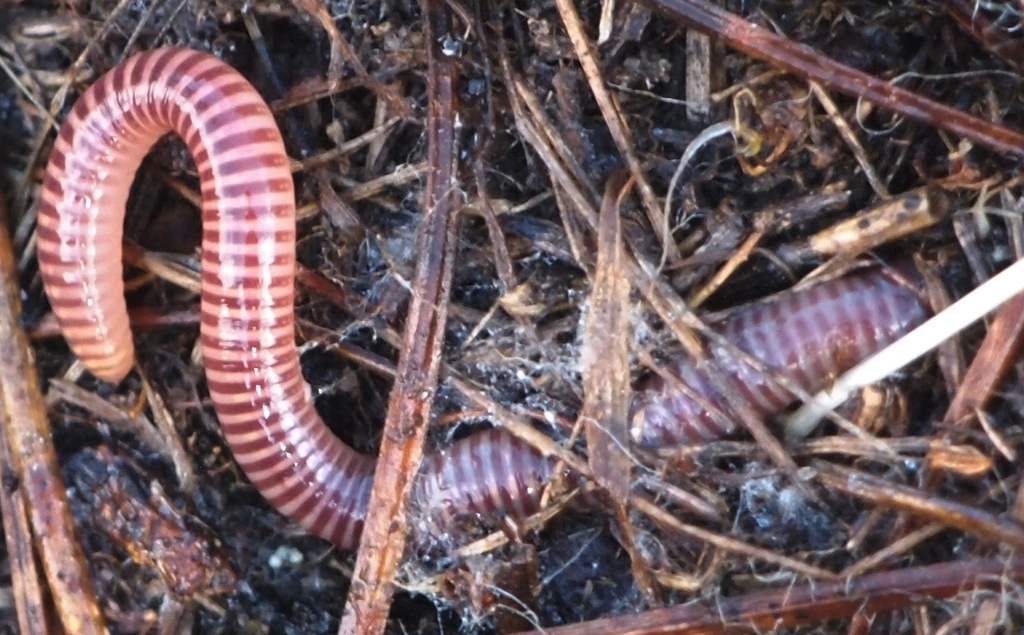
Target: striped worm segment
point(247, 328)
point(808, 336)
point(488, 471)
point(248, 268)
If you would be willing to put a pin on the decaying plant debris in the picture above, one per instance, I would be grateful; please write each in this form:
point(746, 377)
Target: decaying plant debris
point(561, 118)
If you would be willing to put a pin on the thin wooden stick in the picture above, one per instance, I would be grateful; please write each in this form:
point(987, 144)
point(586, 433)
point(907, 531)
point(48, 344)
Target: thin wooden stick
point(879, 491)
point(405, 428)
point(26, 579)
point(769, 611)
point(993, 360)
point(812, 65)
point(35, 465)
point(1001, 42)
point(615, 121)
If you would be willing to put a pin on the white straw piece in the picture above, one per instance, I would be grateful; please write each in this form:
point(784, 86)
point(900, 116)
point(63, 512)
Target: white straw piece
point(958, 316)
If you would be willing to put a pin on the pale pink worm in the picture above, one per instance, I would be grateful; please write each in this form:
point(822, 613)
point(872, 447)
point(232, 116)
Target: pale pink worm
point(247, 328)
point(248, 270)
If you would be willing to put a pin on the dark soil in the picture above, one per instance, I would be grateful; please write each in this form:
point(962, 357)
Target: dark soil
point(252, 572)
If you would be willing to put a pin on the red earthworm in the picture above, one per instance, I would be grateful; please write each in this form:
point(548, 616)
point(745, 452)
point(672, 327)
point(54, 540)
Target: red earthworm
point(248, 266)
point(248, 270)
point(808, 336)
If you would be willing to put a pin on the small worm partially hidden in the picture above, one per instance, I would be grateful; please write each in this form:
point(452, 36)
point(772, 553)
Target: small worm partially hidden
point(247, 326)
point(808, 336)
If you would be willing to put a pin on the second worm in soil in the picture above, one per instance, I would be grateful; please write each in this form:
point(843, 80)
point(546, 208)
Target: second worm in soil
point(808, 336)
point(248, 266)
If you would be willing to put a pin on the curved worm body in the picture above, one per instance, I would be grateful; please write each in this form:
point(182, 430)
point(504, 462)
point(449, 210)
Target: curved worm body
point(808, 336)
point(248, 269)
point(248, 266)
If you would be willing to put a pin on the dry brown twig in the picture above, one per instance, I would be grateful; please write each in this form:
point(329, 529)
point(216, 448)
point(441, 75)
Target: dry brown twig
point(605, 363)
point(662, 299)
point(577, 199)
point(499, 247)
point(605, 356)
point(616, 123)
point(967, 518)
point(804, 61)
point(997, 354)
point(342, 53)
point(766, 611)
point(411, 398)
point(26, 579)
point(36, 471)
point(998, 40)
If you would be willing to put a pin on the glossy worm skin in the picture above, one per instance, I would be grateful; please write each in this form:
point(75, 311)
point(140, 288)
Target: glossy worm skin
point(247, 332)
point(808, 336)
point(248, 268)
